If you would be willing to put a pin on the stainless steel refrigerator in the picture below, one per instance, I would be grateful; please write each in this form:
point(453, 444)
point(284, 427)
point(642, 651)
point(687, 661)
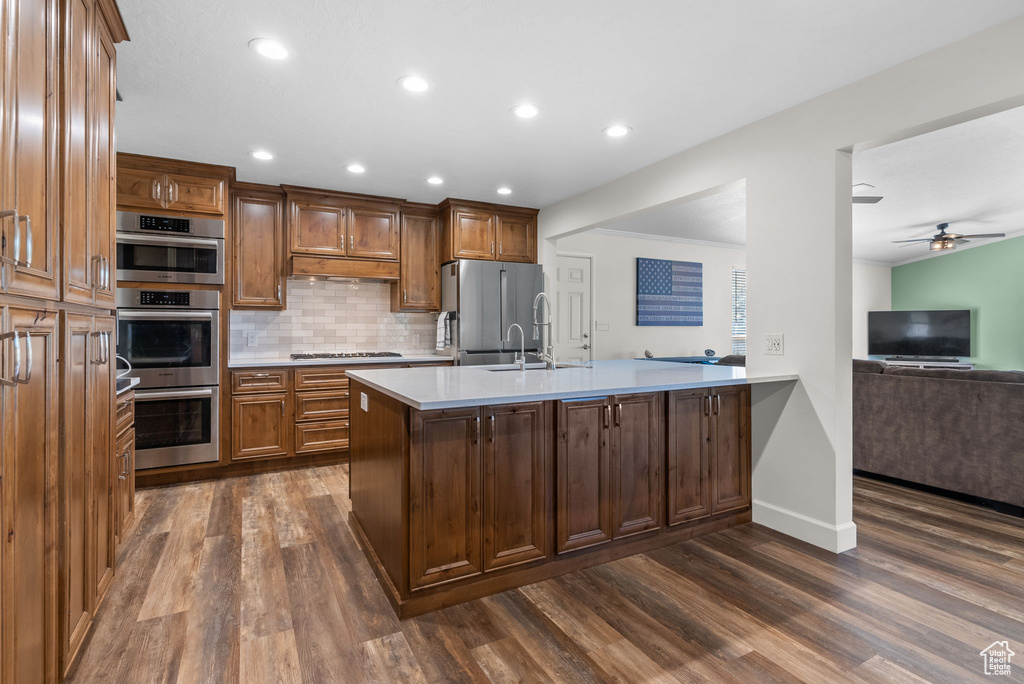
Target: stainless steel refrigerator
point(483, 298)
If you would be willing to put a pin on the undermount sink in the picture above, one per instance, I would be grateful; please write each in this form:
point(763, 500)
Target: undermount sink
point(558, 366)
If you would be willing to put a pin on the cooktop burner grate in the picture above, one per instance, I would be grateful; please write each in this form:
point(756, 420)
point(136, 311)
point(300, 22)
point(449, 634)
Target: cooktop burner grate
point(346, 355)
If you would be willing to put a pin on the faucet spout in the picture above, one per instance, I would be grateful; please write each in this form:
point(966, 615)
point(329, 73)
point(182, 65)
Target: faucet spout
point(521, 357)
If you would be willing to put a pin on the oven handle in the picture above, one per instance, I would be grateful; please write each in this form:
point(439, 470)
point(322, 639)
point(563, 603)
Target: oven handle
point(163, 240)
point(154, 315)
point(177, 394)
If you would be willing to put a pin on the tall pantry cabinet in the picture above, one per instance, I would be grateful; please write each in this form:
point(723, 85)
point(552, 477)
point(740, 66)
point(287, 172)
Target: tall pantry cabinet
point(57, 92)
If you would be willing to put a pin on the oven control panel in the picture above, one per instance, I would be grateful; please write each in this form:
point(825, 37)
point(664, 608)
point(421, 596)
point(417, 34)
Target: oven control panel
point(165, 224)
point(164, 298)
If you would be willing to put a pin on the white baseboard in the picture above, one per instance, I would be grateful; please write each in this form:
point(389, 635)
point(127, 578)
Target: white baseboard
point(834, 538)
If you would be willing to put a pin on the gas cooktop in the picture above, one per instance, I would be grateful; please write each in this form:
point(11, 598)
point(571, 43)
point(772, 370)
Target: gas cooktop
point(345, 355)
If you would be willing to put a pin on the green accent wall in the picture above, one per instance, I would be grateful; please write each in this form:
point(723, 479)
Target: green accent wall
point(988, 280)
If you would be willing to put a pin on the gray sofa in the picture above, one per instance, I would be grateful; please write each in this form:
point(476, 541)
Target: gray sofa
point(957, 430)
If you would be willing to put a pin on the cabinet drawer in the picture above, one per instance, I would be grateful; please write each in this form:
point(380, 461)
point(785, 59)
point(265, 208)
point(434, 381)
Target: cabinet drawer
point(327, 436)
point(124, 412)
point(320, 379)
point(249, 382)
point(321, 406)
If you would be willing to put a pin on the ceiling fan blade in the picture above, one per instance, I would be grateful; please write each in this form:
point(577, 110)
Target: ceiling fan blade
point(985, 235)
point(866, 199)
point(896, 242)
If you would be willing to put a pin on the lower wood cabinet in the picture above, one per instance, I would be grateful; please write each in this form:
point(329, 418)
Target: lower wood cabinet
point(637, 453)
point(583, 494)
point(261, 425)
point(124, 485)
point(730, 448)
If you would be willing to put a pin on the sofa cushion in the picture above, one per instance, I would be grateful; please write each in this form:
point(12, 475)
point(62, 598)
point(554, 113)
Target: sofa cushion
point(733, 360)
point(954, 374)
point(868, 366)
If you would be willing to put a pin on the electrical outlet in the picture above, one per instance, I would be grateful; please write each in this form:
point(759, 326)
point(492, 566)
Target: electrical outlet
point(773, 344)
point(364, 401)
point(251, 338)
point(602, 326)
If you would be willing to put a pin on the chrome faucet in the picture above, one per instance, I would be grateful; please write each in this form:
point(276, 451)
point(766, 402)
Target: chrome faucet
point(547, 353)
point(521, 356)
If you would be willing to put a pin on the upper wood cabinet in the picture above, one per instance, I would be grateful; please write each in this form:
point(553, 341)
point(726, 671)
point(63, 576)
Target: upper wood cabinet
point(88, 156)
point(419, 285)
point(258, 250)
point(166, 184)
point(333, 224)
point(475, 230)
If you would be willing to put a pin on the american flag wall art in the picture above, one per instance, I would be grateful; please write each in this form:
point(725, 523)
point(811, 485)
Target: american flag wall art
point(669, 292)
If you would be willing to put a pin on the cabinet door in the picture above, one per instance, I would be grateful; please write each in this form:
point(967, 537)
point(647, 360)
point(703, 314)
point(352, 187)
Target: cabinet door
point(102, 473)
point(29, 151)
point(636, 456)
point(103, 208)
point(258, 251)
point(517, 239)
point(444, 497)
point(419, 286)
point(193, 194)
point(140, 189)
point(689, 467)
point(373, 233)
point(730, 449)
point(317, 228)
point(472, 234)
point(29, 498)
point(76, 511)
point(124, 465)
point(583, 511)
point(515, 484)
point(261, 426)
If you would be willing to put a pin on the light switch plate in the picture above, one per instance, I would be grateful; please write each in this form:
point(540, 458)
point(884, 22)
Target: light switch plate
point(251, 338)
point(364, 401)
point(602, 326)
point(774, 344)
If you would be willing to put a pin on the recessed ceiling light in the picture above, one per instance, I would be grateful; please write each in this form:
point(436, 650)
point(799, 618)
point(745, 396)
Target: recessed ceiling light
point(271, 49)
point(435, 180)
point(262, 155)
point(414, 84)
point(504, 191)
point(355, 168)
point(617, 131)
point(526, 111)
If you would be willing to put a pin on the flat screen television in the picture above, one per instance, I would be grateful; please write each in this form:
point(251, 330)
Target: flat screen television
point(941, 334)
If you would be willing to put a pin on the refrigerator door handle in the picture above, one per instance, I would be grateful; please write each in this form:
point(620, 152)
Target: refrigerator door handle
point(503, 294)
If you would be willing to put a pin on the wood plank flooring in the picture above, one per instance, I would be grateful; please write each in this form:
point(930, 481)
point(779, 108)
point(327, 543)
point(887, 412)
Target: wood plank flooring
point(258, 579)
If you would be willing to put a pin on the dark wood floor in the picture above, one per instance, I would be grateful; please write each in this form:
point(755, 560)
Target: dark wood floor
point(258, 579)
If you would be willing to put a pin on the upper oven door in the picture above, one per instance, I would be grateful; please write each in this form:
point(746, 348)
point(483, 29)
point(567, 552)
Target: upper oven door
point(170, 348)
point(162, 259)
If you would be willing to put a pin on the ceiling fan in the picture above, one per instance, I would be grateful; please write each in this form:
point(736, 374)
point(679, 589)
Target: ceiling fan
point(860, 195)
point(943, 240)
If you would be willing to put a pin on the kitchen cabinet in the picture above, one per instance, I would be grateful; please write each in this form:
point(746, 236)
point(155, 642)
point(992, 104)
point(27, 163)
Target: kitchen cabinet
point(102, 473)
point(730, 448)
point(515, 484)
point(445, 533)
point(317, 228)
point(419, 284)
point(258, 247)
point(476, 230)
point(156, 184)
point(124, 495)
point(29, 144)
point(29, 495)
point(373, 232)
point(261, 426)
point(637, 452)
point(583, 505)
point(332, 224)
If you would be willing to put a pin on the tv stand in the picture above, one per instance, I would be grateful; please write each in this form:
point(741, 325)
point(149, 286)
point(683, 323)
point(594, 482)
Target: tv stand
point(908, 362)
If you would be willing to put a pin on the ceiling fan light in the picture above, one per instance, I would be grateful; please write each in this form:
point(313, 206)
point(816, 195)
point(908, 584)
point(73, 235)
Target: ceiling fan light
point(941, 245)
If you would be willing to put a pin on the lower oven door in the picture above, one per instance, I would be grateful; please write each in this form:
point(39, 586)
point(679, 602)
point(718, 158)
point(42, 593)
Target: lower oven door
point(176, 427)
point(160, 259)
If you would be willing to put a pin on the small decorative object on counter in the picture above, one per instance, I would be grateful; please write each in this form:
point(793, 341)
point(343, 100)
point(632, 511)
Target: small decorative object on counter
point(648, 354)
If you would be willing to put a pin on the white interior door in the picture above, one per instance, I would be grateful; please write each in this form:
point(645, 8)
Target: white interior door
point(574, 337)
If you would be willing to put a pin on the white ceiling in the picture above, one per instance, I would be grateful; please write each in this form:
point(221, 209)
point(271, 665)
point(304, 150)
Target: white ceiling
point(720, 218)
point(970, 176)
point(679, 72)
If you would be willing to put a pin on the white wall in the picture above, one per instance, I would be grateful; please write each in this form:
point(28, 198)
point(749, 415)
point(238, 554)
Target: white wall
point(615, 295)
point(872, 291)
point(797, 168)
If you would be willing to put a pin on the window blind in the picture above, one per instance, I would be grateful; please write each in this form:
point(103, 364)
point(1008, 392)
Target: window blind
point(739, 311)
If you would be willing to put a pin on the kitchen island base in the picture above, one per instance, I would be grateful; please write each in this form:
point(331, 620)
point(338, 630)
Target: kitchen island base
point(454, 504)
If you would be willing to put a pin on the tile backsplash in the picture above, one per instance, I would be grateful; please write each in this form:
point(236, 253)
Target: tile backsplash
point(327, 316)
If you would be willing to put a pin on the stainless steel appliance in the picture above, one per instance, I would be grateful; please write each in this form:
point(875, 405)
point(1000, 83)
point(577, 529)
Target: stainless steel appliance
point(483, 299)
point(170, 337)
point(169, 249)
point(176, 426)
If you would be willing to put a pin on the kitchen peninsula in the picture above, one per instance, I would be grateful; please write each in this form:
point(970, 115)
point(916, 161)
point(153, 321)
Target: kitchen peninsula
point(467, 481)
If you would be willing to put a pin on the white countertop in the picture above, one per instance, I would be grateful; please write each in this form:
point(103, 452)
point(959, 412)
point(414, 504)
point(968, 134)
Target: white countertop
point(461, 386)
point(133, 382)
point(286, 361)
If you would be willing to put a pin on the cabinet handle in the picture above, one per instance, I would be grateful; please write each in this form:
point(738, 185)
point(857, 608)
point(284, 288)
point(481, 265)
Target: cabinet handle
point(493, 428)
point(27, 220)
point(501, 248)
point(28, 358)
point(707, 405)
point(261, 375)
point(351, 242)
point(97, 272)
point(282, 407)
point(405, 296)
point(607, 415)
point(718, 404)
point(492, 247)
point(157, 190)
point(279, 292)
point(476, 430)
point(105, 277)
point(172, 192)
point(618, 414)
point(17, 360)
